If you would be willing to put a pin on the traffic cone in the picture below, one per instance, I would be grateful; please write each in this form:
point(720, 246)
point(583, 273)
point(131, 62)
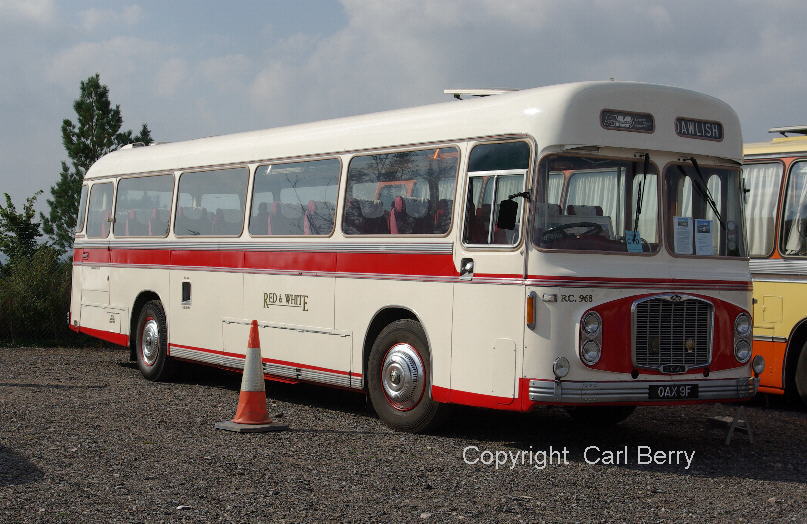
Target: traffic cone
point(251, 415)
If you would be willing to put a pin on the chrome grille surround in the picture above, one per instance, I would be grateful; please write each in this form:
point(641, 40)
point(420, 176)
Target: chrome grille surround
point(671, 333)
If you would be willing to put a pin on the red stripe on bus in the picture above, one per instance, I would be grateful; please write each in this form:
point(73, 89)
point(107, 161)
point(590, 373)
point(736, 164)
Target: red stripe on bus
point(454, 396)
point(290, 260)
point(140, 256)
point(377, 264)
point(396, 264)
point(593, 281)
point(116, 338)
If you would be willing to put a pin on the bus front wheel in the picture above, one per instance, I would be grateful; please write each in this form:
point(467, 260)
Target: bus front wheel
point(399, 378)
point(151, 342)
point(799, 384)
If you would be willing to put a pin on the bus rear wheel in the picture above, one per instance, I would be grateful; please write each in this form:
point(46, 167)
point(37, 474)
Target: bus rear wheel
point(399, 378)
point(151, 343)
point(600, 416)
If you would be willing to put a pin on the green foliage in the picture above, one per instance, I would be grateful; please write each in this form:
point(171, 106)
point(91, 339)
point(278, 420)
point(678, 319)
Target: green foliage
point(34, 299)
point(18, 231)
point(96, 132)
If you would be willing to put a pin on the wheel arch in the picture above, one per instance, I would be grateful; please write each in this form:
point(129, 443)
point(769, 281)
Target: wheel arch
point(142, 298)
point(384, 317)
point(795, 343)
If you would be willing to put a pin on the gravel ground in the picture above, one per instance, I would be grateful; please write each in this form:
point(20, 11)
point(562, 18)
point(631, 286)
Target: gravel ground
point(84, 437)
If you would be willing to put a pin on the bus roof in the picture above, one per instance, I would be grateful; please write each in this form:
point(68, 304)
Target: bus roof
point(566, 114)
point(779, 146)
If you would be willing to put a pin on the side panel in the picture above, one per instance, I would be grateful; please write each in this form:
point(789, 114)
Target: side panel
point(358, 300)
point(125, 284)
point(779, 308)
point(214, 295)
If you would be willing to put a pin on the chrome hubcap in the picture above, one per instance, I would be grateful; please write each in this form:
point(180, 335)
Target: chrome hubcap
point(150, 342)
point(403, 377)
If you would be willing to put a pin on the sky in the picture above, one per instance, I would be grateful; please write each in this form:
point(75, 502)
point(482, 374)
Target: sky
point(199, 68)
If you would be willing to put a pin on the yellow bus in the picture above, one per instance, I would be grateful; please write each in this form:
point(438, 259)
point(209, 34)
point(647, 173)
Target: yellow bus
point(775, 176)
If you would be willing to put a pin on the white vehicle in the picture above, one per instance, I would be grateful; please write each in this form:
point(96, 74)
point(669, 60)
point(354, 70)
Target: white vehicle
point(579, 245)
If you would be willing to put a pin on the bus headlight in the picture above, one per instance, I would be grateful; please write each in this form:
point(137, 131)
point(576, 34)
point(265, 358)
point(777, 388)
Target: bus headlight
point(742, 325)
point(743, 328)
point(591, 323)
point(590, 338)
point(758, 365)
point(742, 350)
point(590, 352)
point(560, 367)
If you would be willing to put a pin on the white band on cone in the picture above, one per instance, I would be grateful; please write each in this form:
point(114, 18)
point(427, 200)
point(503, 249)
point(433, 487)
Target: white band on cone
point(252, 380)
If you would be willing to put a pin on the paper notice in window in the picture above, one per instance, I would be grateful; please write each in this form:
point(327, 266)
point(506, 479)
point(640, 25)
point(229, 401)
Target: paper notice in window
point(682, 231)
point(633, 241)
point(703, 237)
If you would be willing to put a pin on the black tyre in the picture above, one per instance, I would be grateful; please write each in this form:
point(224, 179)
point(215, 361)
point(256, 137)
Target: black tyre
point(151, 343)
point(600, 416)
point(399, 379)
point(798, 385)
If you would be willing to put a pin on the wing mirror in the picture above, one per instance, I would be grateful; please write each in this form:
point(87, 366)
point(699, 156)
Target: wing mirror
point(508, 211)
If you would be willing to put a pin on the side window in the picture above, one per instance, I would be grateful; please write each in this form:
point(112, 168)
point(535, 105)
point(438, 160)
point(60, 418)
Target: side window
point(82, 209)
point(211, 203)
point(794, 217)
point(295, 199)
point(762, 181)
point(402, 193)
point(495, 172)
point(143, 206)
point(100, 212)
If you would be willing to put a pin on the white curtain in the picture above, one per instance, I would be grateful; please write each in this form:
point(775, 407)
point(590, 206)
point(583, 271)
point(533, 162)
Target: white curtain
point(796, 211)
point(599, 188)
point(554, 188)
point(762, 182)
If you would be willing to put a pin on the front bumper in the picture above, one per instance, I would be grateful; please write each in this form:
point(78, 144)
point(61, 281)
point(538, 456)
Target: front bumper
point(571, 392)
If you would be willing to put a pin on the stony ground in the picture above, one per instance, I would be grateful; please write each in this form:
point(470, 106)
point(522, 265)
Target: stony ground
point(84, 438)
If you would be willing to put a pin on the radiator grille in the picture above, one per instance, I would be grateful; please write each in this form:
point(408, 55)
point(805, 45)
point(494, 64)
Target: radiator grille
point(672, 332)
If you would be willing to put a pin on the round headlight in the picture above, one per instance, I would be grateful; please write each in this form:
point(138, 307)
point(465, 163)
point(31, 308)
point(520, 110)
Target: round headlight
point(742, 351)
point(591, 323)
point(758, 364)
point(590, 352)
point(560, 367)
point(742, 325)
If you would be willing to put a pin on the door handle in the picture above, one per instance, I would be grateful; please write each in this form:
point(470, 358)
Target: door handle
point(466, 268)
point(85, 255)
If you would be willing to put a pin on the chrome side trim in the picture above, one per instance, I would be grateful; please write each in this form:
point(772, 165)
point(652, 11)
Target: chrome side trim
point(628, 284)
point(781, 266)
point(270, 368)
point(263, 244)
point(310, 375)
point(766, 338)
point(207, 358)
point(636, 391)
point(763, 156)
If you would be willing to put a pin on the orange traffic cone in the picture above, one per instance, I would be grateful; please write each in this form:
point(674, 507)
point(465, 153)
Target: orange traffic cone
point(251, 415)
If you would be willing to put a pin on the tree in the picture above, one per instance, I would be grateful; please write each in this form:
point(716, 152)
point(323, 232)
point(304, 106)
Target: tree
point(96, 132)
point(18, 231)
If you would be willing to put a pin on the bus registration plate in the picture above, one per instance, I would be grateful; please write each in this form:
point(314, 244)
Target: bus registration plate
point(673, 391)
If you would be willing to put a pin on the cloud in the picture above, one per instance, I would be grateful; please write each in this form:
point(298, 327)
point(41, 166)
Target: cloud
point(229, 74)
point(93, 17)
point(37, 11)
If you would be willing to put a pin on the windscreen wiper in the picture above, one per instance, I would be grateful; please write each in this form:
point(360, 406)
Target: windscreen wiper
point(640, 193)
point(703, 189)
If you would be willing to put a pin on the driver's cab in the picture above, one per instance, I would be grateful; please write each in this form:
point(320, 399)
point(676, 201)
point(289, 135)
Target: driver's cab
point(600, 204)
